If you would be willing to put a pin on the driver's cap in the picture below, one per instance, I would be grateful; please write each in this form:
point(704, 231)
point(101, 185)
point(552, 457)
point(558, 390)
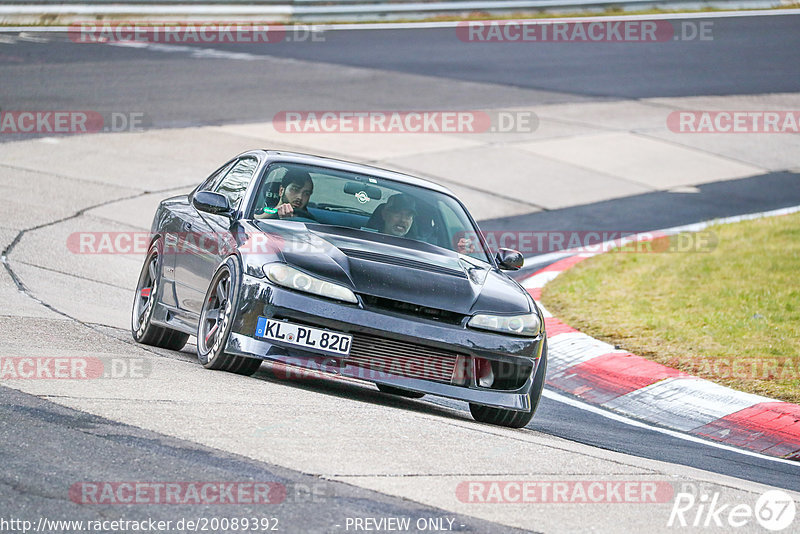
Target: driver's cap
point(402, 202)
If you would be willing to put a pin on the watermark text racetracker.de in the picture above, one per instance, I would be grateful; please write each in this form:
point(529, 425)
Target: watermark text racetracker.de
point(531, 242)
point(133, 242)
point(405, 122)
point(177, 492)
point(528, 242)
point(68, 122)
point(760, 367)
point(584, 31)
point(734, 121)
point(564, 492)
point(192, 32)
point(73, 367)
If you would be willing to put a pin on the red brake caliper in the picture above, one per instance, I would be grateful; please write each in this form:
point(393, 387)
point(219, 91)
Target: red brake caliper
point(146, 291)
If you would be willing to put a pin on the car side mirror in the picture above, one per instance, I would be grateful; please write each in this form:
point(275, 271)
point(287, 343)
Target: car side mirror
point(211, 203)
point(508, 259)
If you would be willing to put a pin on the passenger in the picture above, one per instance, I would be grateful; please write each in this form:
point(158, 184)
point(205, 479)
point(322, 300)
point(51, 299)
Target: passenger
point(466, 245)
point(293, 196)
point(398, 215)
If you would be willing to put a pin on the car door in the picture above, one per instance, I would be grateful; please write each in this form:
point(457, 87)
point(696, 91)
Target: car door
point(180, 217)
point(208, 238)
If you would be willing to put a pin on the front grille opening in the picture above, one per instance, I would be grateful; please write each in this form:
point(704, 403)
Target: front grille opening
point(510, 376)
point(408, 308)
point(381, 357)
point(401, 358)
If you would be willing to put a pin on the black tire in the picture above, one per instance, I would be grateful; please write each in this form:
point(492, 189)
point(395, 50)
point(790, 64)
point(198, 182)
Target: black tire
point(144, 301)
point(215, 323)
point(391, 390)
point(513, 418)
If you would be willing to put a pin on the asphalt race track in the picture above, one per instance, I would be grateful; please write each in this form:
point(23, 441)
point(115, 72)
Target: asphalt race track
point(748, 56)
point(341, 449)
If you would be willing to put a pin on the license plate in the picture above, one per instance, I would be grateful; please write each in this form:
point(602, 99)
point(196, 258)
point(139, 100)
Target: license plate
point(304, 336)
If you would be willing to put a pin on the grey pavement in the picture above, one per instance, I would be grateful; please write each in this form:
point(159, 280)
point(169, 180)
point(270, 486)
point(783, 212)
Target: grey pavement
point(289, 425)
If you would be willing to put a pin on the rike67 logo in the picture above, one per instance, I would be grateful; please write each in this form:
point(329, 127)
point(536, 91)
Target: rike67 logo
point(774, 510)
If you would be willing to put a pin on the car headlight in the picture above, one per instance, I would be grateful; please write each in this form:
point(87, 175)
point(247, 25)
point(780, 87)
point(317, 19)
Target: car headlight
point(519, 325)
point(287, 276)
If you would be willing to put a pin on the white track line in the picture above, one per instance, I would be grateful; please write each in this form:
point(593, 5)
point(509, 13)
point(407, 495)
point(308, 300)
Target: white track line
point(558, 397)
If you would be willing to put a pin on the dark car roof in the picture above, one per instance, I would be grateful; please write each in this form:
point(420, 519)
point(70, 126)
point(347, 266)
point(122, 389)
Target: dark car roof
point(321, 161)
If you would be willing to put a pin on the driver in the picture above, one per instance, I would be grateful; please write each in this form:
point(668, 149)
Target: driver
point(294, 194)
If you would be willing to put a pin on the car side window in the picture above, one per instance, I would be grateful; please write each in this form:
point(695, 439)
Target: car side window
point(458, 228)
point(234, 184)
point(211, 181)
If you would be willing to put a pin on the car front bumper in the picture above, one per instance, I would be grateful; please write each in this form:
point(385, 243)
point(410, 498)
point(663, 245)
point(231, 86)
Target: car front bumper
point(516, 358)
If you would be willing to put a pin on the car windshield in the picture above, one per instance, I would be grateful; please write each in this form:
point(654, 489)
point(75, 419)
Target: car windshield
point(368, 203)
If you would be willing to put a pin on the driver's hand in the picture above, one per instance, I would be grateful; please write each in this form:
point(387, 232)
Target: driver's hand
point(285, 211)
point(465, 246)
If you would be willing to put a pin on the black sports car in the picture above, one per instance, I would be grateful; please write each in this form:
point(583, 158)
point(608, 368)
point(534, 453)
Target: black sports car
point(344, 268)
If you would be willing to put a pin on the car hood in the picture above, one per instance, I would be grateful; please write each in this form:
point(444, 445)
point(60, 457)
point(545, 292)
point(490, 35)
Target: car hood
point(399, 269)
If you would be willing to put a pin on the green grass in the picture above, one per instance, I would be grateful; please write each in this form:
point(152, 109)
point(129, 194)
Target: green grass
point(549, 14)
point(731, 315)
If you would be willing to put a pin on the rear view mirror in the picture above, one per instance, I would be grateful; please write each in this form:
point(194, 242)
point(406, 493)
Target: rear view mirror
point(508, 259)
point(356, 188)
